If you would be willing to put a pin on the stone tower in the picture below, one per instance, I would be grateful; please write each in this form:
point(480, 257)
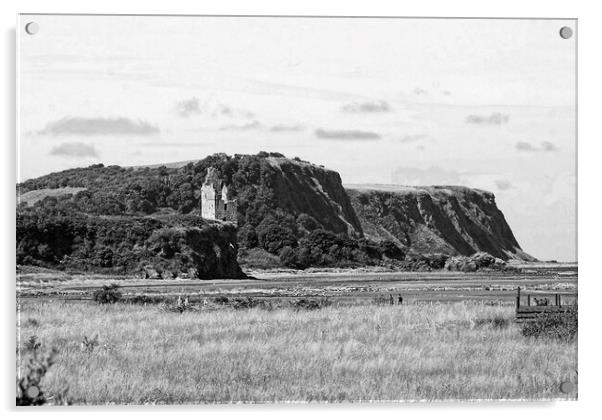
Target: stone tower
point(215, 201)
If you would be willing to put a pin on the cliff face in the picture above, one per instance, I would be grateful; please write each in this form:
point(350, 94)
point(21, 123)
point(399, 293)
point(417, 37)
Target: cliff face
point(301, 187)
point(448, 220)
point(279, 202)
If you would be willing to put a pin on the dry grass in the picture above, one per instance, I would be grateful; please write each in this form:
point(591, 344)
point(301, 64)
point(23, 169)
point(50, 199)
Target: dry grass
point(333, 354)
point(31, 197)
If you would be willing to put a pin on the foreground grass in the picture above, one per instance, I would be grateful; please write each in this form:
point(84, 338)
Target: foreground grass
point(436, 352)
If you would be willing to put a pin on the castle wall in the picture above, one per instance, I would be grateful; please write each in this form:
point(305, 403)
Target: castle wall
point(214, 201)
point(231, 212)
point(226, 210)
point(208, 203)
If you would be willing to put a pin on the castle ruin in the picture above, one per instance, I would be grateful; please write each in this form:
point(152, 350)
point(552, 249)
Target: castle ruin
point(215, 201)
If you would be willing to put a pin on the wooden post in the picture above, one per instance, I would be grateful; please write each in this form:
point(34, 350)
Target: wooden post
point(528, 300)
point(518, 298)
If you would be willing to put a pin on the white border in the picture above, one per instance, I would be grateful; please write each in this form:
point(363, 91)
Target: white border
point(590, 72)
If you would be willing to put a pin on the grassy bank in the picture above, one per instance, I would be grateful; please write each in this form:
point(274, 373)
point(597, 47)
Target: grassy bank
point(441, 352)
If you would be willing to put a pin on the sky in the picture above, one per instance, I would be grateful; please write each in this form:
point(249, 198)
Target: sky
point(488, 104)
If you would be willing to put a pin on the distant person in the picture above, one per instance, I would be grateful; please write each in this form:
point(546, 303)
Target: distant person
point(400, 300)
point(391, 300)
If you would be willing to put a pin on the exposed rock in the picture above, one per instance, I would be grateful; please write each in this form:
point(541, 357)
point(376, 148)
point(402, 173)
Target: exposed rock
point(478, 261)
point(446, 220)
point(303, 188)
point(280, 203)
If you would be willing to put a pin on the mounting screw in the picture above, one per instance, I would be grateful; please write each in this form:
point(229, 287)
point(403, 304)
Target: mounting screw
point(32, 28)
point(567, 387)
point(566, 32)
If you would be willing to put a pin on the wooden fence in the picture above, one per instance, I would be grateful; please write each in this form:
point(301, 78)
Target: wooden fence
point(543, 304)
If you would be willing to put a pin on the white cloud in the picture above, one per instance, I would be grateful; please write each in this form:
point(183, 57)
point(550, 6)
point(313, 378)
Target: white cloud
point(74, 150)
point(346, 134)
point(98, 126)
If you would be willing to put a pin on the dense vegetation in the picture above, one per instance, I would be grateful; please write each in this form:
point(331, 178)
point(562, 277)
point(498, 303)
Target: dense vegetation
point(561, 326)
point(107, 294)
point(252, 179)
point(51, 233)
point(289, 208)
point(326, 249)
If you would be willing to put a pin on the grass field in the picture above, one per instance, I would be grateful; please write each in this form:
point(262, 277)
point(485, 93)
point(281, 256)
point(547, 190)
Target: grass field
point(339, 353)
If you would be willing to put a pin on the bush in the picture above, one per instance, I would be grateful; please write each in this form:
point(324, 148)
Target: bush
point(258, 258)
point(247, 236)
point(32, 371)
point(436, 261)
point(288, 256)
point(496, 322)
point(179, 305)
point(274, 234)
point(391, 250)
point(478, 261)
point(143, 299)
point(88, 345)
point(221, 300)
point(108, 294)
point(322, 248)
point(307, 223)
point(553, 325)
point(311, 304)
point(32, 343)
point(244, 303)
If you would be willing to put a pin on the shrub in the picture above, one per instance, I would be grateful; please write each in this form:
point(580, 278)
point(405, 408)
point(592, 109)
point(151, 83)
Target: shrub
point(32, 343)
point(381, 300)
point(288, 256)
point(322, 248)
point(31, 322)
point(247, 236)
point(221, 300)
point(553, 325)
point(391, 250)
point(179, 305)
point(258, 258)
point(33, 368)
point(142, 299)
point(311, 304)
point(495, 322)
point(108, 294)
point(307, 223)
point(274, 235)
point(436, 261)
point(478, 261)
point(244, 303)
point(89, 344)
point(165, 242)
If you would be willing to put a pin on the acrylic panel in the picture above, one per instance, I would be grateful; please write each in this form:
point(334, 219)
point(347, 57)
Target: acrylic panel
point(295, 209)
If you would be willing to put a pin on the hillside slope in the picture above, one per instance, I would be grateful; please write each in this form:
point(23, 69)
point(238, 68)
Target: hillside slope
point(292, 191)
point(301, 187)
point(450, 220)
point(290, 208)
point(278, 200)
